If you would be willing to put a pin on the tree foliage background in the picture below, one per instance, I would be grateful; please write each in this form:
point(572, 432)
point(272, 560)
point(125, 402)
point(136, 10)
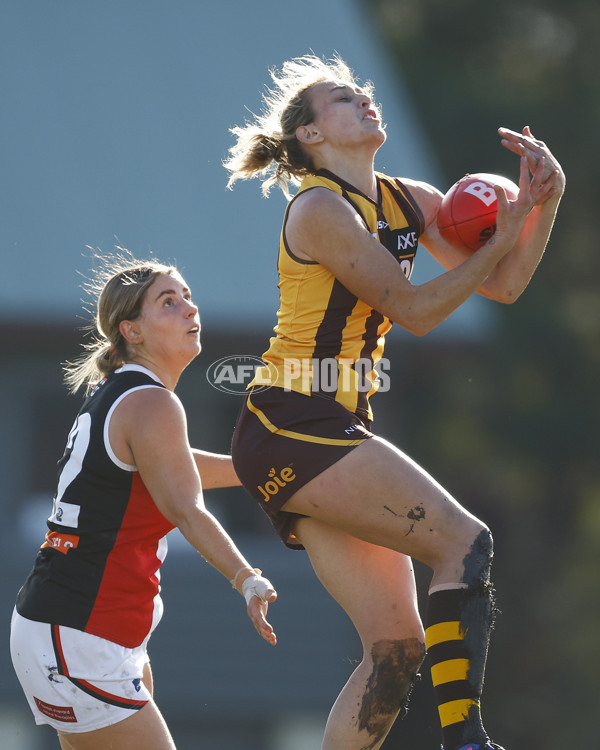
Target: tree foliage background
point(511, 424)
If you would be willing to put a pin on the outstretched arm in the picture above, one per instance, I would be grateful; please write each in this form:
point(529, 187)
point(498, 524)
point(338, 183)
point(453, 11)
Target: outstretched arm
point(216, 469)
point(153, 425)
point(322, 226)
point(513, 272)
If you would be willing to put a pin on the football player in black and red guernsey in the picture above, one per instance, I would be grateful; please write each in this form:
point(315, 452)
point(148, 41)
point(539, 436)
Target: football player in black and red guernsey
point(128, 476)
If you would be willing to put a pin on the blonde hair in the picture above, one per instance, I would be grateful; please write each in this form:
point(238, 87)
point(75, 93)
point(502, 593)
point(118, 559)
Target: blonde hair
point(268, 146)
point(118, 288)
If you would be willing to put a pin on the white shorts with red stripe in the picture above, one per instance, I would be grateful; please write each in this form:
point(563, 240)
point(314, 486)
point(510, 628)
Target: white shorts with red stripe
point(74, 681)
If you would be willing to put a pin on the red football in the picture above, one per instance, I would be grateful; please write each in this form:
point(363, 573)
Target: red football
point(467, 215)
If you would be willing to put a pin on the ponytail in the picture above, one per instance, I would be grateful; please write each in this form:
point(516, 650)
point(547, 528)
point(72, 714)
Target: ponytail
point(267, 147)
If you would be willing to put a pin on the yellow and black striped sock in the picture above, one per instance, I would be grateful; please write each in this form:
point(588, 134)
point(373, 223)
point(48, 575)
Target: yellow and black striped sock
point(457, 634)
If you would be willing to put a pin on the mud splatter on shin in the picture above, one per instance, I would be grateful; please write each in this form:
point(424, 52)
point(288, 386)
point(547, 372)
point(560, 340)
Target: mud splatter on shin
point(395, 665)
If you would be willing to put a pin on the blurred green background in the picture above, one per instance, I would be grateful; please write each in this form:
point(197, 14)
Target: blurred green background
point(512, 424)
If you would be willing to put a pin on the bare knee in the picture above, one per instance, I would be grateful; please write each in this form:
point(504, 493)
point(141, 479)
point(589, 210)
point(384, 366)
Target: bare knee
point(395, 666)
point(403, 656)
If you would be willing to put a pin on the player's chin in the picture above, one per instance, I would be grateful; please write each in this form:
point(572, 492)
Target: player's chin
point(193, 348)
point(381, 135)
point(375, 133)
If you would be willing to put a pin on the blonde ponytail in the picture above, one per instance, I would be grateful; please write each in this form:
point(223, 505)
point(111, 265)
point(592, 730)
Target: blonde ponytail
point(267, 147)
point(118, 288)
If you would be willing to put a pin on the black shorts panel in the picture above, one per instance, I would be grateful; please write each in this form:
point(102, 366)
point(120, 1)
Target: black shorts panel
point(282, 440)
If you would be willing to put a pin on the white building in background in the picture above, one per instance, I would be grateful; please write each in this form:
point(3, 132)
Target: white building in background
point(116, 119)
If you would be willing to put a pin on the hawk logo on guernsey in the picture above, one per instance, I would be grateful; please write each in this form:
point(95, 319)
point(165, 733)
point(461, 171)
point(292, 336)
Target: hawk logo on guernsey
point(276, 482)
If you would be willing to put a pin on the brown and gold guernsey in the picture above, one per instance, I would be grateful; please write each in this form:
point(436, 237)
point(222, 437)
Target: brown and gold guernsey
point(328, 342)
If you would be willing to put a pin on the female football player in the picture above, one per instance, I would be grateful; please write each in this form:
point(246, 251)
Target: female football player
point(303, 444)
point(128, 476)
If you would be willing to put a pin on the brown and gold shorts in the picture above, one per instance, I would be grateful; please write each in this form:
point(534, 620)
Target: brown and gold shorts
point(284, 439)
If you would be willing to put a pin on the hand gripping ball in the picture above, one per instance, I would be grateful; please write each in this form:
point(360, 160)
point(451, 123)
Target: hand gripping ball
point(467, 215)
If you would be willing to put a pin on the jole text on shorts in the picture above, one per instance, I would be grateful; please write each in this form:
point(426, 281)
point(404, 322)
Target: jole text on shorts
point(275, 482)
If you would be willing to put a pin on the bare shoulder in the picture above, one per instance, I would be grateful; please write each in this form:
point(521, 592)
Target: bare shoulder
point(315, 202)
point(155, 394)
point(147, 407)
point(143, 417)
point(318, 221)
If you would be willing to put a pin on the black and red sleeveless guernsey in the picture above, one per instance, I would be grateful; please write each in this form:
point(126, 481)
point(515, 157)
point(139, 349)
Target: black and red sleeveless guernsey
point(98, 570)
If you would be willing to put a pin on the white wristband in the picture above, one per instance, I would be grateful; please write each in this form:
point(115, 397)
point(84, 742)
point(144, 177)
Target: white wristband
point(233, 581)
point(258, 586)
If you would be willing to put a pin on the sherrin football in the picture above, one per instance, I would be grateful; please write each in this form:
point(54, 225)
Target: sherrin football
point(467, 215)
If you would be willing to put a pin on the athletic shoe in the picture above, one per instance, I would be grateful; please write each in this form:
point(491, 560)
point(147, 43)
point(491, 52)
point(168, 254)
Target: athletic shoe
point(477, 746)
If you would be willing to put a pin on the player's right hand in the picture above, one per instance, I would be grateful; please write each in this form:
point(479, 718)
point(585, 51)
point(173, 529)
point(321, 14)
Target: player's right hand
point(258, 592)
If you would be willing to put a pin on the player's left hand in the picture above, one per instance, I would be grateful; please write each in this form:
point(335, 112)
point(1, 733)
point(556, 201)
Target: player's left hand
point(549, 179)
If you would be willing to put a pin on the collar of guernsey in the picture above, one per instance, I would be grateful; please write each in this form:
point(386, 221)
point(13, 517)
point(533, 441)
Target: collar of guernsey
point(327, 341)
